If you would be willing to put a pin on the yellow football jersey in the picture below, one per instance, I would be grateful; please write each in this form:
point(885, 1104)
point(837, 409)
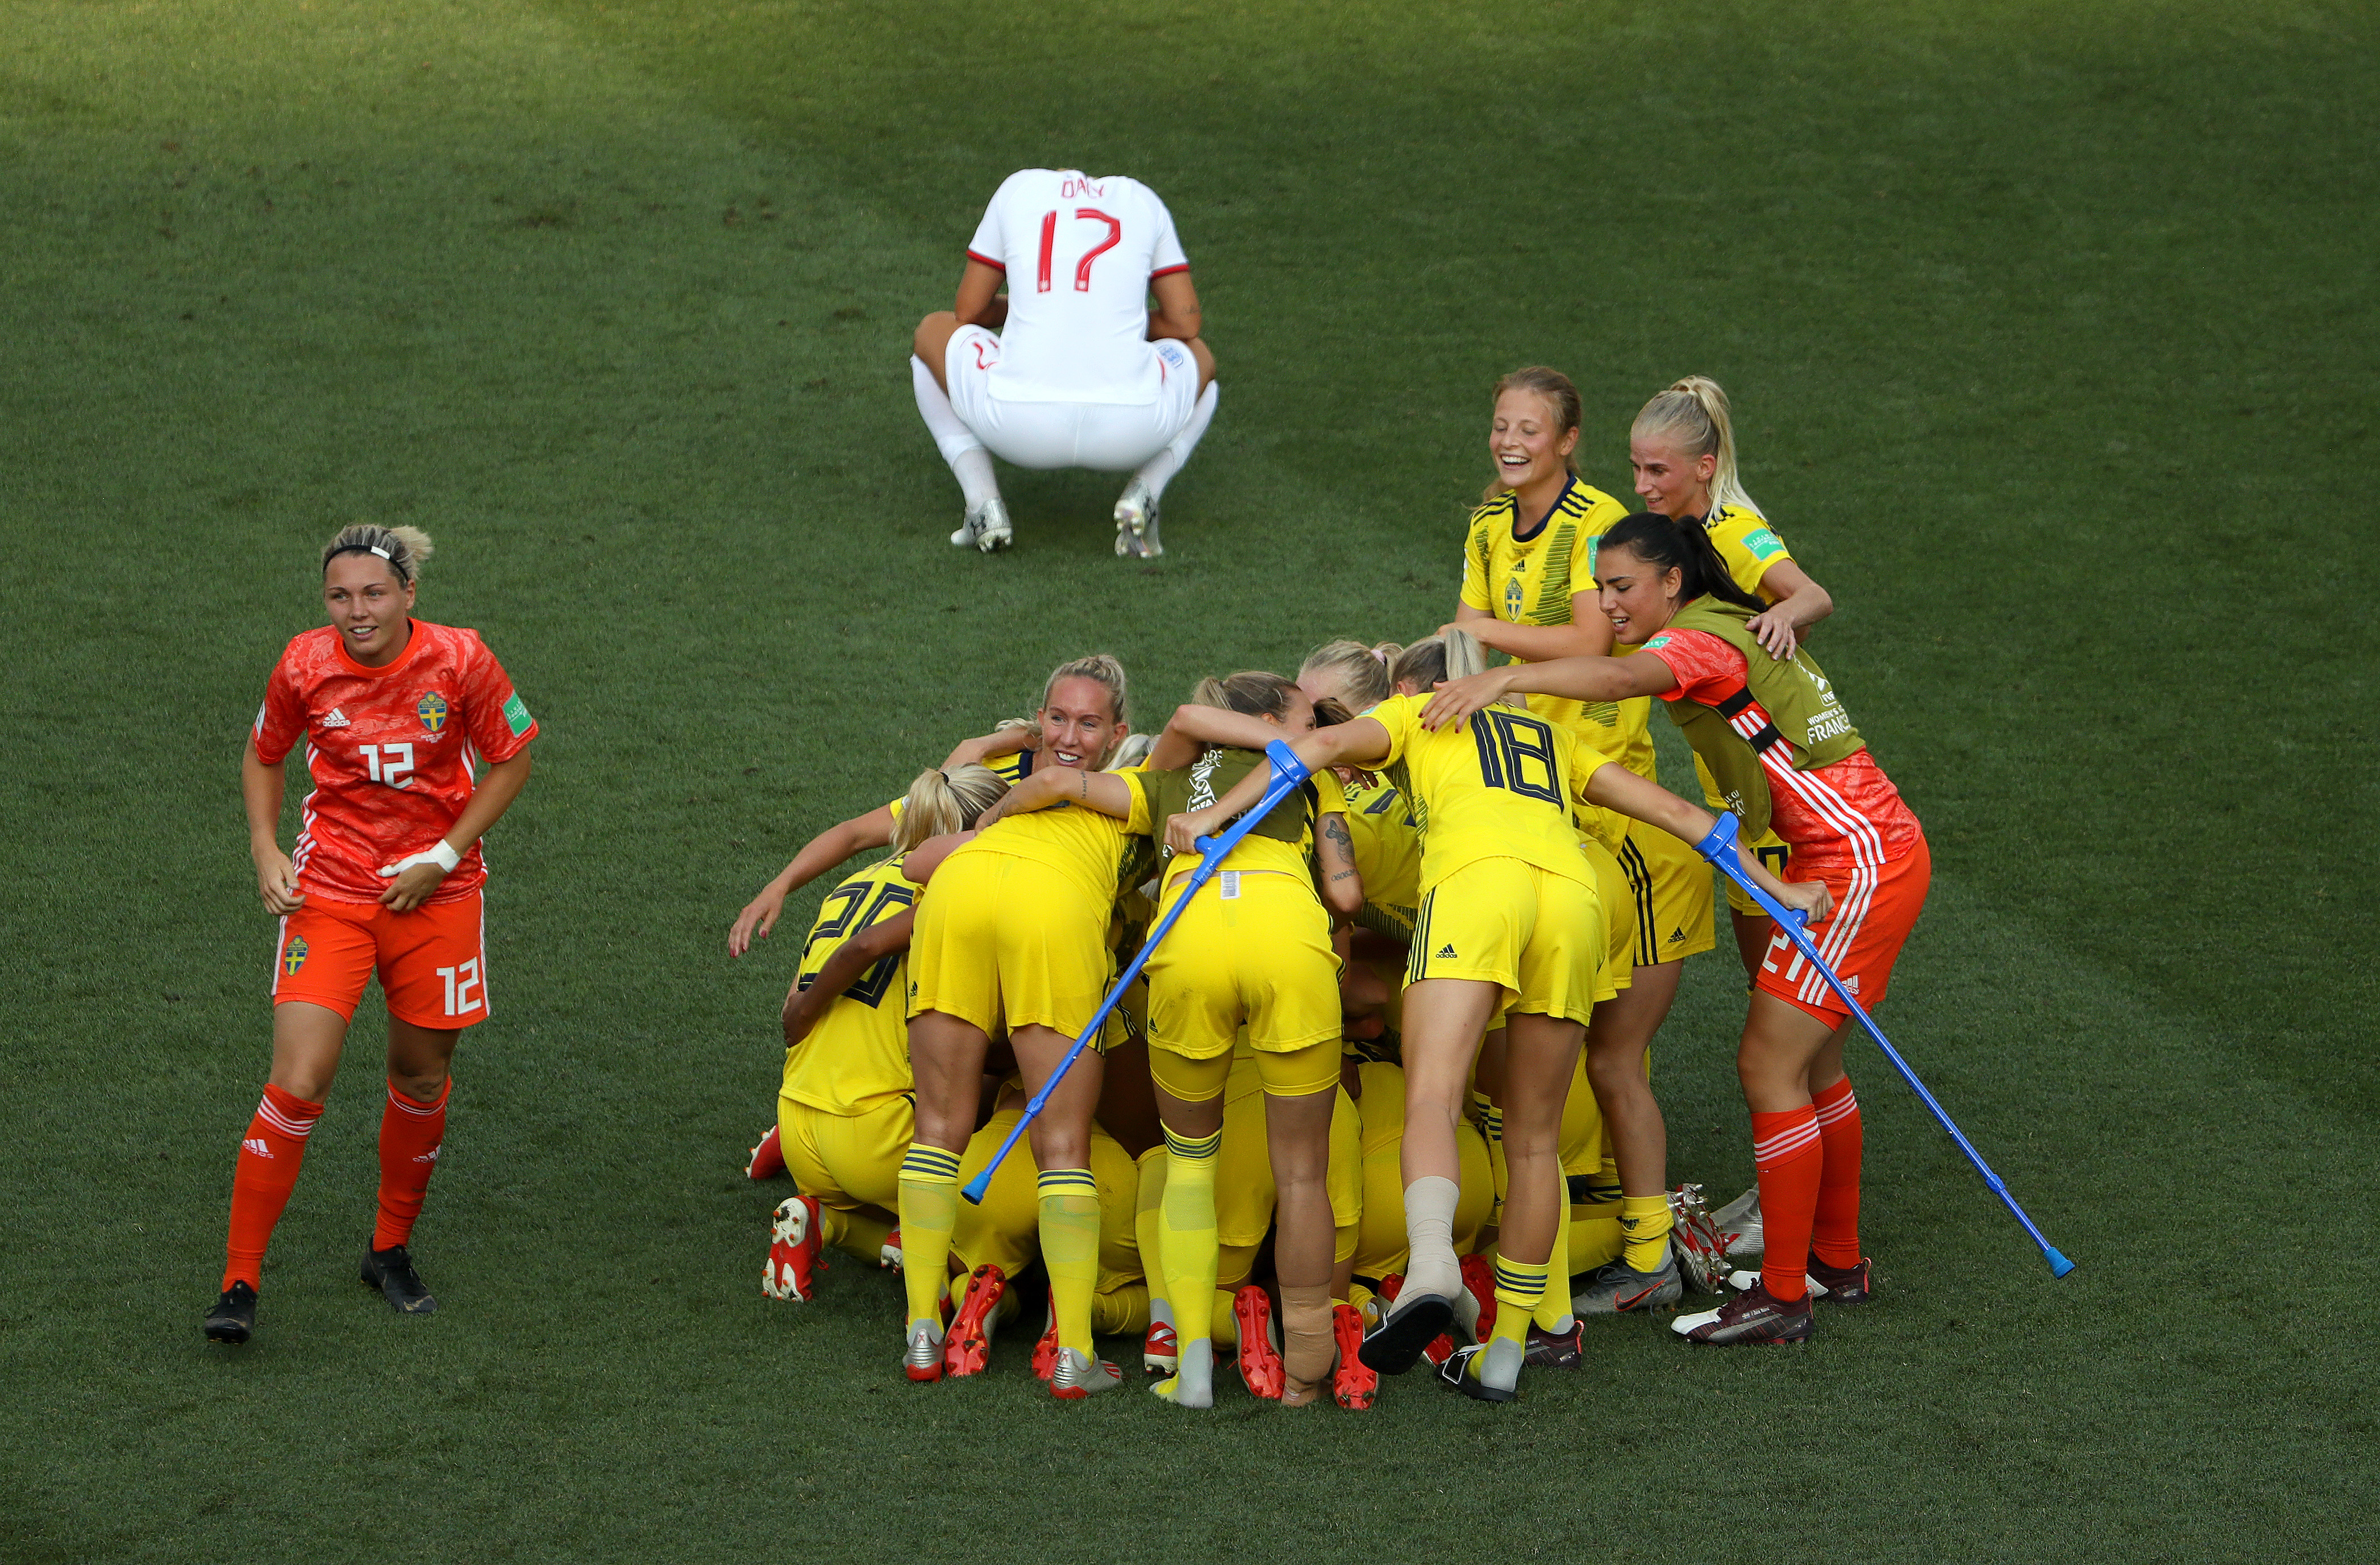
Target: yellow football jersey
point(1530, 580)
point(1253, 851)
point(1748, 544)
point(1388, 855)
point(1094, 851)
point(859, 1054)
point(1501, 786)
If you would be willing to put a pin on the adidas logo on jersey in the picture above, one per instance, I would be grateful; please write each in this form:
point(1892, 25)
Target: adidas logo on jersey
point(1445, 953)
point(256, 1144)
point(336, 720)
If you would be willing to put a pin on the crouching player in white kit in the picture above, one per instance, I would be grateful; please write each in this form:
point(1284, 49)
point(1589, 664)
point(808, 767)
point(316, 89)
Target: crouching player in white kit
point(1080, 373)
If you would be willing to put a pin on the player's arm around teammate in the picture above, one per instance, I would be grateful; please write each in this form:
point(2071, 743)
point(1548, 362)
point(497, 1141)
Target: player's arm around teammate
point(1007, 751)
point(385, 878)
point(1777, 740)
point(1014, 935)
point(1510, 912)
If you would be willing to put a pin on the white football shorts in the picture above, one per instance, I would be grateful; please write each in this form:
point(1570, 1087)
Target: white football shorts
point(1103, 436)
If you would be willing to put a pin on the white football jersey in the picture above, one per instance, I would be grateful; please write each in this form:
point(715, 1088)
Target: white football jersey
point(1079, 253)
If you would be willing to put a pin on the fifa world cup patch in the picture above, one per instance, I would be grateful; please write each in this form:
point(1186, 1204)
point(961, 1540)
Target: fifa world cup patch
point(432, 711)
point(293, 956)
point(517, 716)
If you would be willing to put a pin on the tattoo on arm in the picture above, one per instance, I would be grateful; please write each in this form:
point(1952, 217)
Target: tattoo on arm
point(1334, 831)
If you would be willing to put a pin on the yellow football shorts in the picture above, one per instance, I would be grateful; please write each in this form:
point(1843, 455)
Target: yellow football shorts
point(1005, 1230)
point(1245, 1192)
point(1774, 853)
point(1250, 956)
point(1539, 935)
point(1008, 940)
point(1670, 891)
point(847, 1161)
point(1612, 890)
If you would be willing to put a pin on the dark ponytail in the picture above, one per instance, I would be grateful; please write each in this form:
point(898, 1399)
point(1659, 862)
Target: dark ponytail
point(1667, 544)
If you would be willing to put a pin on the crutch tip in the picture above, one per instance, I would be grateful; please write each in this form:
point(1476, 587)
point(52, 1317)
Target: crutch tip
point(977, 1186)
point(2058, 1265)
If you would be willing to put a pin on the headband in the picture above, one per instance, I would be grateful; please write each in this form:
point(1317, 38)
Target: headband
point(402, 574)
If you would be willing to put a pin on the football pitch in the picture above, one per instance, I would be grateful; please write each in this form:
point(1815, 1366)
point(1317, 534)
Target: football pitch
point(2051, 333)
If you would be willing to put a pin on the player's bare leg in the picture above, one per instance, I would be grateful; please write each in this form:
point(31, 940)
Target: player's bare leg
point(1135, 512)
point(985, 525)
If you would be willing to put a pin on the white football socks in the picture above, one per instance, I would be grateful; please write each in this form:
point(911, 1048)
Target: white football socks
point(1429, 1230)
point(1160, 469)
point(970, 462)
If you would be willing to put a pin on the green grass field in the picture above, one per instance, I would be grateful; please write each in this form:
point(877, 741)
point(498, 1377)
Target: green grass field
point(2053, 337)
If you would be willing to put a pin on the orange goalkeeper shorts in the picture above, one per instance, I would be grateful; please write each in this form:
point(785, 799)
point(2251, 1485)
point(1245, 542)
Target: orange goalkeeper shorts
point(433, 962)
point(1874, 909)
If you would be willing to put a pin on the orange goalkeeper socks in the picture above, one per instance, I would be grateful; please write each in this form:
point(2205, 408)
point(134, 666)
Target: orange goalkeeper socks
point(1788, 1151)
point(1834, 1238)
point(270, 1156)
point(410, 1133)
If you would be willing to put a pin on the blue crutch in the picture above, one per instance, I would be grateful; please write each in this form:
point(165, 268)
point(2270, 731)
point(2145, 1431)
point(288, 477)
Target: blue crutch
point(1720, 848)
point(1288, 773)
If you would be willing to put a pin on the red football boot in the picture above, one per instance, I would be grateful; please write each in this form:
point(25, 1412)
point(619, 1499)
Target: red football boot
point(967, 1346)
point(1045, 1351)
point(1260, 1365)
point(766, 1160)
point(793, 1244)
point(1161, 1351)
point(1354, 1385)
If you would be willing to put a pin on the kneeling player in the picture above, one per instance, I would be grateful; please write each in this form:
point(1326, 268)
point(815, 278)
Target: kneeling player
point(844, 1110)
point(385, 878)
point(1072, 370)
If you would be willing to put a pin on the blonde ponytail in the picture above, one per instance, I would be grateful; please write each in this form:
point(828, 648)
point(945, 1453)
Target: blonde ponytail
point(406, 549)
point(1456, 654)
point(938, 803)
point(1693, 414)
point(1360, 672)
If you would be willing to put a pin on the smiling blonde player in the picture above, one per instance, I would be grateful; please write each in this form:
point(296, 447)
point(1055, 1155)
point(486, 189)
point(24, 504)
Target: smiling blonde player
point(384, 877)
point(1070, 367)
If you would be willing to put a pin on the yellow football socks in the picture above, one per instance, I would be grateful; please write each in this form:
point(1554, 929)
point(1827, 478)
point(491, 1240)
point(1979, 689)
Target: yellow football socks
point(1520, 1287)
point(1553, 1302)
point(1189, 1253)
point(1070, 1251)
point(929, 1209)
point(1147, 1230)
point(1646, 1221)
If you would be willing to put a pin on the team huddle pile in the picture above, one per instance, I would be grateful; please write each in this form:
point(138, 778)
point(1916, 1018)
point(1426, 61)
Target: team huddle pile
point(1382, 1093)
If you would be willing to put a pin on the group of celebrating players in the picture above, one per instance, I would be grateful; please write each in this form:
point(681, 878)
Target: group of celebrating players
point(1382, 1093)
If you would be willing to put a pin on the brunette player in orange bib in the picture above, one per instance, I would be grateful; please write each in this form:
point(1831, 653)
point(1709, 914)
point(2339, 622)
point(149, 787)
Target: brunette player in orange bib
point(416, 745)
point(1783, 752)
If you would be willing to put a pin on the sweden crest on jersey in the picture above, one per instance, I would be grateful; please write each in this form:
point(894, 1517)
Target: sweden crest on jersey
point(1512, 599)
point(293, 956)
point(432, 711)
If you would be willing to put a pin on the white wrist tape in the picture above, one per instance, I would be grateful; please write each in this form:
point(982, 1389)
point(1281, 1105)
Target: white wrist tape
point(439, 854)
